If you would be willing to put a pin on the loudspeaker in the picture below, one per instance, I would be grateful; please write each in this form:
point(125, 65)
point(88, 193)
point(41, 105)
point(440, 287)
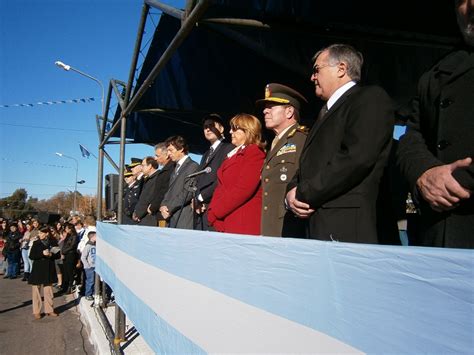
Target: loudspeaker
point(111, 191)
point(48, 218)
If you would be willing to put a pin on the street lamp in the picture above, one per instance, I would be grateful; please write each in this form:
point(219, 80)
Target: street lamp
point(75, 181)
point(68, 68)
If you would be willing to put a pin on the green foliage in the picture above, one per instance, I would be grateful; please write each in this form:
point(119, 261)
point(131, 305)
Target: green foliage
point(17, 205)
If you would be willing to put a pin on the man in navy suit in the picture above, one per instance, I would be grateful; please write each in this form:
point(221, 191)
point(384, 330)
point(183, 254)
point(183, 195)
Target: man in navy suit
point(213, 128)
point(336, 187)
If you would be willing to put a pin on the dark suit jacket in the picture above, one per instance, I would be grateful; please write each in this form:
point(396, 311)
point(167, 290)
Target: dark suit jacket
point(148, 193)
point(178, 195)
point(206, 183)
point(341, 165)
point(237, 202)
point(162, 185)
point(440, 131)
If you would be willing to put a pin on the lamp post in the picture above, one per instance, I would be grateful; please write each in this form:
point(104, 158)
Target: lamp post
point(75, 181)
point(68, 68)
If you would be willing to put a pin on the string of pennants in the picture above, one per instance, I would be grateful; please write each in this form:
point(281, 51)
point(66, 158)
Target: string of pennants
point(69, 101)
point(36, 163)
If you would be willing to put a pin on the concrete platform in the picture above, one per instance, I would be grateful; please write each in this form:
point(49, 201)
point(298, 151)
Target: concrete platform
point(134, 344)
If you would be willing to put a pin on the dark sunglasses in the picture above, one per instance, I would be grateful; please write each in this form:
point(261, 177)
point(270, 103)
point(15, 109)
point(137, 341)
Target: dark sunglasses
point(235, 128)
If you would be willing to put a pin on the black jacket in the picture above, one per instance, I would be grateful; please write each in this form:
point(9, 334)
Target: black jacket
point(43, 271)
point(440, 131)
point(341, 165)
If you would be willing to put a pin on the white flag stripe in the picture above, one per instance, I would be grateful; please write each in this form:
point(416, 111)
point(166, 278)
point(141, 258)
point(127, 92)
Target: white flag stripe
point(213, 321)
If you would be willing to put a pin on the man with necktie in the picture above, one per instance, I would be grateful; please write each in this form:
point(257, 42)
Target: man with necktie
point(213, 128)
point(175, 206)
point(337, 184)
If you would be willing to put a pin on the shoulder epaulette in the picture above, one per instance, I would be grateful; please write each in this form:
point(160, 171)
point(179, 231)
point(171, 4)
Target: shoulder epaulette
point(302, 129)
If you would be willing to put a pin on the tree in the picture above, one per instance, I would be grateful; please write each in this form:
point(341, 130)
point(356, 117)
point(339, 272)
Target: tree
point(17, 205)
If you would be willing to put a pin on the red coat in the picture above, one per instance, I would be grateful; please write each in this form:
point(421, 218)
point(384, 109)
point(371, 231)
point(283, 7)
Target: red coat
point(237, 201)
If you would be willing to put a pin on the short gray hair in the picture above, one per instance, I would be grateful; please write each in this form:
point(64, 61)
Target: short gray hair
point(344, 53)
point(160, 146)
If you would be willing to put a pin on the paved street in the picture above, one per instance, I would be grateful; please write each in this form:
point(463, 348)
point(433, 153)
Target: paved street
point(21, 334)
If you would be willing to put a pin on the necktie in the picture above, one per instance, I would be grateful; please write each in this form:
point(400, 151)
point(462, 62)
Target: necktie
point(321, 113)
point(211, 150)
point(176, 169)
point(274, 142)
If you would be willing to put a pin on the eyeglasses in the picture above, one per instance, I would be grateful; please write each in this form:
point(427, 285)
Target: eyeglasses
point(317, 68)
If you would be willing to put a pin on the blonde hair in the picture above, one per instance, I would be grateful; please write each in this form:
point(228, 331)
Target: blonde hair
point(252, 128)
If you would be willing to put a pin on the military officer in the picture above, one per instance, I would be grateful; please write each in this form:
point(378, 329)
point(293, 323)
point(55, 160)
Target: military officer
point(130, 197)
point(281, 109)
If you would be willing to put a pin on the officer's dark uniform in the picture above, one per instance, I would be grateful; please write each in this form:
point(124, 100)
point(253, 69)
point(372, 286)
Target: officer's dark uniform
point(279, 168)
point(130, 199)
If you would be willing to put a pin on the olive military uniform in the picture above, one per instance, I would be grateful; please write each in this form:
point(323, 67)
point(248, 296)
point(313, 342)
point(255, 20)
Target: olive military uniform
point(279, 168)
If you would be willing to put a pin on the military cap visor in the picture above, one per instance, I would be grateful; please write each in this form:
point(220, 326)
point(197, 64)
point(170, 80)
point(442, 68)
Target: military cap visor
point(135, 162)
point(283, 95)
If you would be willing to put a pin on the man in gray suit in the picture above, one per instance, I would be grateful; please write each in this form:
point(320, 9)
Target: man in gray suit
point(175, 206)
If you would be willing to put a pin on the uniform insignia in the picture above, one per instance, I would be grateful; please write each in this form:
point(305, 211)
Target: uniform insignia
point(283, 177)
point(303, 129)
point(267, 92)
point(287, 148)
point(283, 169)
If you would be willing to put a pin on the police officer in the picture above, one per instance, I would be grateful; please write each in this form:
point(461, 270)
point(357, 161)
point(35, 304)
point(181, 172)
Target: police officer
point(281, 109)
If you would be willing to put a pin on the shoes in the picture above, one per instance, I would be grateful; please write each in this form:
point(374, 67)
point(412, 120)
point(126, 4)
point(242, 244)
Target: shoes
point(6, 277)
point(12, 277)
point(89, 298)
point(52, 314)
point(37, 315)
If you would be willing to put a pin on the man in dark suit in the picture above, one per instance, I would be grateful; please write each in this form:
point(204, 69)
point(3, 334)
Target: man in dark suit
point(337, 184)
point(436, 153)
point(176, 205)
point(281, 109)
point(162, 181)
point(213, 128)
point(148, 193)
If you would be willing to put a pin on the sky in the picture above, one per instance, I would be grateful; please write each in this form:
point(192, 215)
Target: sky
point(94, 36)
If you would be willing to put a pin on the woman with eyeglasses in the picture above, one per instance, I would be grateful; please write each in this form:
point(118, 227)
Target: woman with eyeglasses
point(237, 201)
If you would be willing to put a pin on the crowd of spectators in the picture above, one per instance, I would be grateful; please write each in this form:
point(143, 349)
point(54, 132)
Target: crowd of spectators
point(58, 258)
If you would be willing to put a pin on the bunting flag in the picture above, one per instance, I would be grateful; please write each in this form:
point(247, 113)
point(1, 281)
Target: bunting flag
point(70, 101)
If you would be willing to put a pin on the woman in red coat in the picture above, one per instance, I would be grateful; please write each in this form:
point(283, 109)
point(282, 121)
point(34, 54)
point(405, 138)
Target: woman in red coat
point(237, 201)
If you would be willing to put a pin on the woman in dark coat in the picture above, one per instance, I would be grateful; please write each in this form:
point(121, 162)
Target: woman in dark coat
point(43, 274)
point(69, 255)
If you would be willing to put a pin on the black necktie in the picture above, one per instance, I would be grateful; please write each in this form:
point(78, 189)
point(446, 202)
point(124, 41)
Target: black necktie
point(321, 113)
point(211, 150)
